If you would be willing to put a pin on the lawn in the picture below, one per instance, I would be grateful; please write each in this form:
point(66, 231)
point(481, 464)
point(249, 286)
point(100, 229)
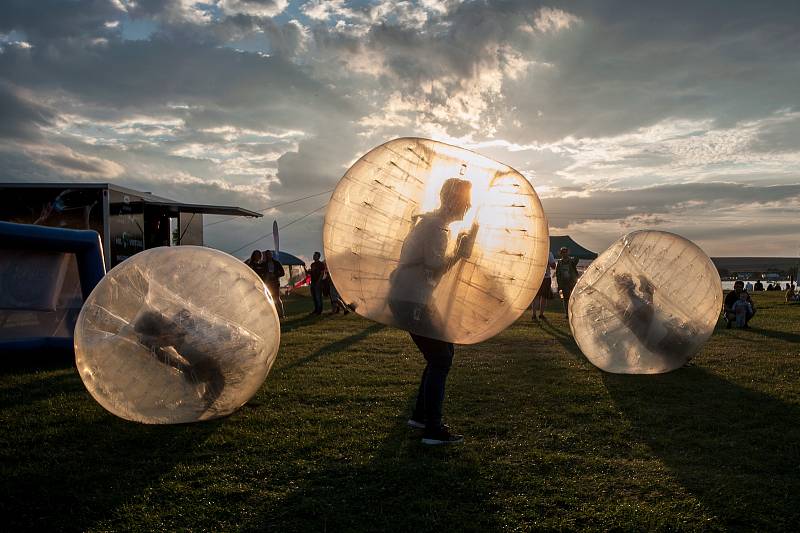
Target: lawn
point(551, 442)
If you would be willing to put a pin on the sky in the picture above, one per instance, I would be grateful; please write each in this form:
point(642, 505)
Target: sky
point(624, 115)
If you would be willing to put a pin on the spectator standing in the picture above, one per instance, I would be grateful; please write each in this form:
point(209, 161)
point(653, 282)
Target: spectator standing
point(545, 290)
point(273, 272)
point(566, 275)
point(317, 272)
point(748, 287)
point(256, 263)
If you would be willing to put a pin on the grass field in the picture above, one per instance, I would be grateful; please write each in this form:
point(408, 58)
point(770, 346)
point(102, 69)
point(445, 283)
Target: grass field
point(551, 442)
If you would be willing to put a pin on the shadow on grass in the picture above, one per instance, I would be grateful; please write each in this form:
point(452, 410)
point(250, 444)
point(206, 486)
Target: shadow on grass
point(23, 362)
point(564, 338)
point(66, 472)
point(300, 321)
point(334, 347)
point(401, 486)
point(735, 449)
point(780, 335)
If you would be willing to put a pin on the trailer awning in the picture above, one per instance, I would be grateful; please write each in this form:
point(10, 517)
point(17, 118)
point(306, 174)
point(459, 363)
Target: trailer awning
point(178, 207)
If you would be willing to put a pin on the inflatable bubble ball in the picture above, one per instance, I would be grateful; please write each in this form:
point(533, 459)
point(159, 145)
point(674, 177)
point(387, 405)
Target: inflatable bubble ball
point(646, 305)
point(175, 335)
point(436, 240)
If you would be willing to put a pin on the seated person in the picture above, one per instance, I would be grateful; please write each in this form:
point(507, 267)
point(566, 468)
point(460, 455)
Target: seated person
point(791, 296)
point(731, 298)
point(741, 309)
point(758, 286)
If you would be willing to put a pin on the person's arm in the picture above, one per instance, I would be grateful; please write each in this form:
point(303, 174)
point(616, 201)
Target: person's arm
point(279, 271)
point(729, 301)
point(435, 252)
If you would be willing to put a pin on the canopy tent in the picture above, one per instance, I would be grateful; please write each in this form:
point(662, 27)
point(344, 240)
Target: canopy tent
point(287, 259)
point(575, 249)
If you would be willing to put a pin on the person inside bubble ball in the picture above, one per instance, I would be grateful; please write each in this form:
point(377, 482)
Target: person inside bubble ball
point(637, 311)
point(167, 338)
point(423, 263)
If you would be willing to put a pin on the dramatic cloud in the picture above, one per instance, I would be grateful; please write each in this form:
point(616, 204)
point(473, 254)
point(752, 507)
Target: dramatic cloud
point(676, 115)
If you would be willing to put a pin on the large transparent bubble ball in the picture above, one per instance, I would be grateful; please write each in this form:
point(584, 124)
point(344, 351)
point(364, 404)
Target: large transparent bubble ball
point(646, 305)
point(400, 252)
point(176, 335)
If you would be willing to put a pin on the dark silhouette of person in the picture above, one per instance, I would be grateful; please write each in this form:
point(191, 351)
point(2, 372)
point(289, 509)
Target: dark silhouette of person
point(731, 298)
point(566, 275)
point(637, 311)
point(166, 338)
point(257, 264)
point(317, 273)
point(423, 263)
point(273, 272)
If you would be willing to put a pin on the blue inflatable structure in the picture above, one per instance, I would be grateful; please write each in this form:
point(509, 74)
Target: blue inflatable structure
point(45, 275)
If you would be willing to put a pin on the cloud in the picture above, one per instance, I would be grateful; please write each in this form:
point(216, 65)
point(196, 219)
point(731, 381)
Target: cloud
point(622, 114)
point(258, 8)
point(21, 117)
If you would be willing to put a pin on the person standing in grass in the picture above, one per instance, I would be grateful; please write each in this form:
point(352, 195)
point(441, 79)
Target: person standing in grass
point(423, 263)
point(273, 271)
point(566, 275)
point(317, 271)
point(545, 293)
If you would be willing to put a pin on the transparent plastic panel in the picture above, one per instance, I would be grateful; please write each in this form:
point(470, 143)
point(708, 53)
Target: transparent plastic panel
point(176, 335)
point(436, 240)
point(646, 305)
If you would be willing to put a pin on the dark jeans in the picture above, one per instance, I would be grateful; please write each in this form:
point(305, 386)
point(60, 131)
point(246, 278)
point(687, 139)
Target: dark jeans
point(439, 357)
point(566, 292)
point(316, 294)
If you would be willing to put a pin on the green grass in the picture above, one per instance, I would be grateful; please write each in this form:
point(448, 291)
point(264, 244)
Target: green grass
point(552, 442)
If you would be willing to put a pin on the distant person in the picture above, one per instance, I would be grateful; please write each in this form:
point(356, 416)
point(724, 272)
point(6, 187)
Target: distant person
point(748, 287)
point(731, 298)
point(273, 272)
point(791, 296)
point(566, 275)
point(317, 272)
point(423, 263)
point(545, 290)
point(257, 264)
point(741, 308)
point(770, 287)
point(758, 287)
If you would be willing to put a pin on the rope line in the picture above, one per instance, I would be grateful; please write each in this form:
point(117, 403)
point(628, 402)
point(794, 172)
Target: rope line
point(270, 207)
point(279, 228)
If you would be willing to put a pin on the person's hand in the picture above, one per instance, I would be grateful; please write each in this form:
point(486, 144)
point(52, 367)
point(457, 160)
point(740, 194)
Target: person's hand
point(466, 242)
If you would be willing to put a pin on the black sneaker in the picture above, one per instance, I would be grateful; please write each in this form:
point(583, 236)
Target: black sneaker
point(441, 435)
